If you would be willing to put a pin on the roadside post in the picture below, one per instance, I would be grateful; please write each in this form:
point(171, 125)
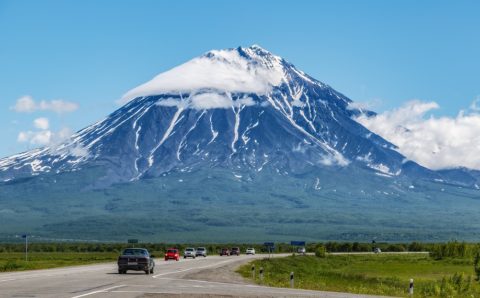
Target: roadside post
point(253, 272)
point(25, 236)
point(291, 280)
point(410, 289)
point(261, 274)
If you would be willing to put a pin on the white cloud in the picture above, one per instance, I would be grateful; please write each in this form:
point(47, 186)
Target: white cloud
point(474, 106)
point(334, 159)
point(225, 71)
point(79, 151)
point(244, 101)
point(40, 138)
point(41, 123)
point(434, 142)
point(367, 105)
point(44, 136)
point(26, 104)
point(168, 102)
point(58, 106)
point(207, 100)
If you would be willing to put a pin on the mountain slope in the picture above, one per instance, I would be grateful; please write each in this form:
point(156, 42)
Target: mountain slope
point(234, 141)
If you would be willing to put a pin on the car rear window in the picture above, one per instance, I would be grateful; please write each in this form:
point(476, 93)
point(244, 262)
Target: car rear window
point(134, 252)
point(172, 251)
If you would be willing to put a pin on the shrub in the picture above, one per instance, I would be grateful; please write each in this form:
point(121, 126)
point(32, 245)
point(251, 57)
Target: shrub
point(454, 286)
point(476, 266)
point(320, 251)
point(11, 265)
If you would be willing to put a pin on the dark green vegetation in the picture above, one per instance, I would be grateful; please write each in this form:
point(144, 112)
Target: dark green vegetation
point(381, 274)
point(266, 207)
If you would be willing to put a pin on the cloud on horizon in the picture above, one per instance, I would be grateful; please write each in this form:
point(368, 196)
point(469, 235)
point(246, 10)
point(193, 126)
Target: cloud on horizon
point(26, 104)
point(43, 136)
point(434, 142)
point(41, 123)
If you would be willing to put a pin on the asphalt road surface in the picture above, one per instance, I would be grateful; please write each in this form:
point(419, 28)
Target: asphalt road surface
point(201, 277)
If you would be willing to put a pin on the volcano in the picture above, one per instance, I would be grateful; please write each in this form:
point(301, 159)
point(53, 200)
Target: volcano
point(234, 140)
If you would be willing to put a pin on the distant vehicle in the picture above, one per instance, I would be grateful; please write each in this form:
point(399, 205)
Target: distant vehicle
point(250, 251)
point(189, 253)
point(224, 252)
point(172, 254)
point(235, 251)
point(301, 250)
point(377, 250)
point(138, 259)
point(201, 252)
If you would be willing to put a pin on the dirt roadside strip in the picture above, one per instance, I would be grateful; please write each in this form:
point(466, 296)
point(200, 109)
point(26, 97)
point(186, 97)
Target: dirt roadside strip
point(225, 273)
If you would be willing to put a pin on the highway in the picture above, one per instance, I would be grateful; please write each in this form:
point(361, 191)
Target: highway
point(201, 277)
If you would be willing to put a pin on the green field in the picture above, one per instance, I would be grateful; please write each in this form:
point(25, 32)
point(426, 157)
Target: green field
point(42, 260)
point(382, 274)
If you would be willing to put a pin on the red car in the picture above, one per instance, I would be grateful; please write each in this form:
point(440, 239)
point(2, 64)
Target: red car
point(224, 252)
point(172, 254)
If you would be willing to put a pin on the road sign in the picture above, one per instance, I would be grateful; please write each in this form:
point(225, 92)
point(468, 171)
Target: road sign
point(297, 243)
point(270, 247)
point(24, 236)
point(132, 240)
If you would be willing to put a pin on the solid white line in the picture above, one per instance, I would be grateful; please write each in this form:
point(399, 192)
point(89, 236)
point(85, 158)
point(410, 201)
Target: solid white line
point(4, 280)
point(99, 291)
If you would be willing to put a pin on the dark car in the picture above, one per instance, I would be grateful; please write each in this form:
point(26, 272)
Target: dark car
point(224, 252)
point(172, 254)
point(235, 251)
point(138, 259)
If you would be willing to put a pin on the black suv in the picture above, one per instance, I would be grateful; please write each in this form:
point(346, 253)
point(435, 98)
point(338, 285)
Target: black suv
point(138, 259)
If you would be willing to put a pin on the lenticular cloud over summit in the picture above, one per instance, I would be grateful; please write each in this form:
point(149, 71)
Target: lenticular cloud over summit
point(222, 70)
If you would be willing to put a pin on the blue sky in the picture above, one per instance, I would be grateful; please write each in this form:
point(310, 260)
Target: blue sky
point(91, 52)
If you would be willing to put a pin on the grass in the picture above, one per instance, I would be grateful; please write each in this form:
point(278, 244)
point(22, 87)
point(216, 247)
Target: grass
point(371, 274)
point(44, 260)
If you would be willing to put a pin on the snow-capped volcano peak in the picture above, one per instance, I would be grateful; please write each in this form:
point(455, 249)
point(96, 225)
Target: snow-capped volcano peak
point(245, 70)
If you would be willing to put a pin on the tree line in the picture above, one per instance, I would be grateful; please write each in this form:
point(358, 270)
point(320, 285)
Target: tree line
point(452, 249)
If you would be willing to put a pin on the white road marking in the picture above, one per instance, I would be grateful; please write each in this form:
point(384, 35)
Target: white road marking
point(189, 269)
point(208, 282)
point(99, 291)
